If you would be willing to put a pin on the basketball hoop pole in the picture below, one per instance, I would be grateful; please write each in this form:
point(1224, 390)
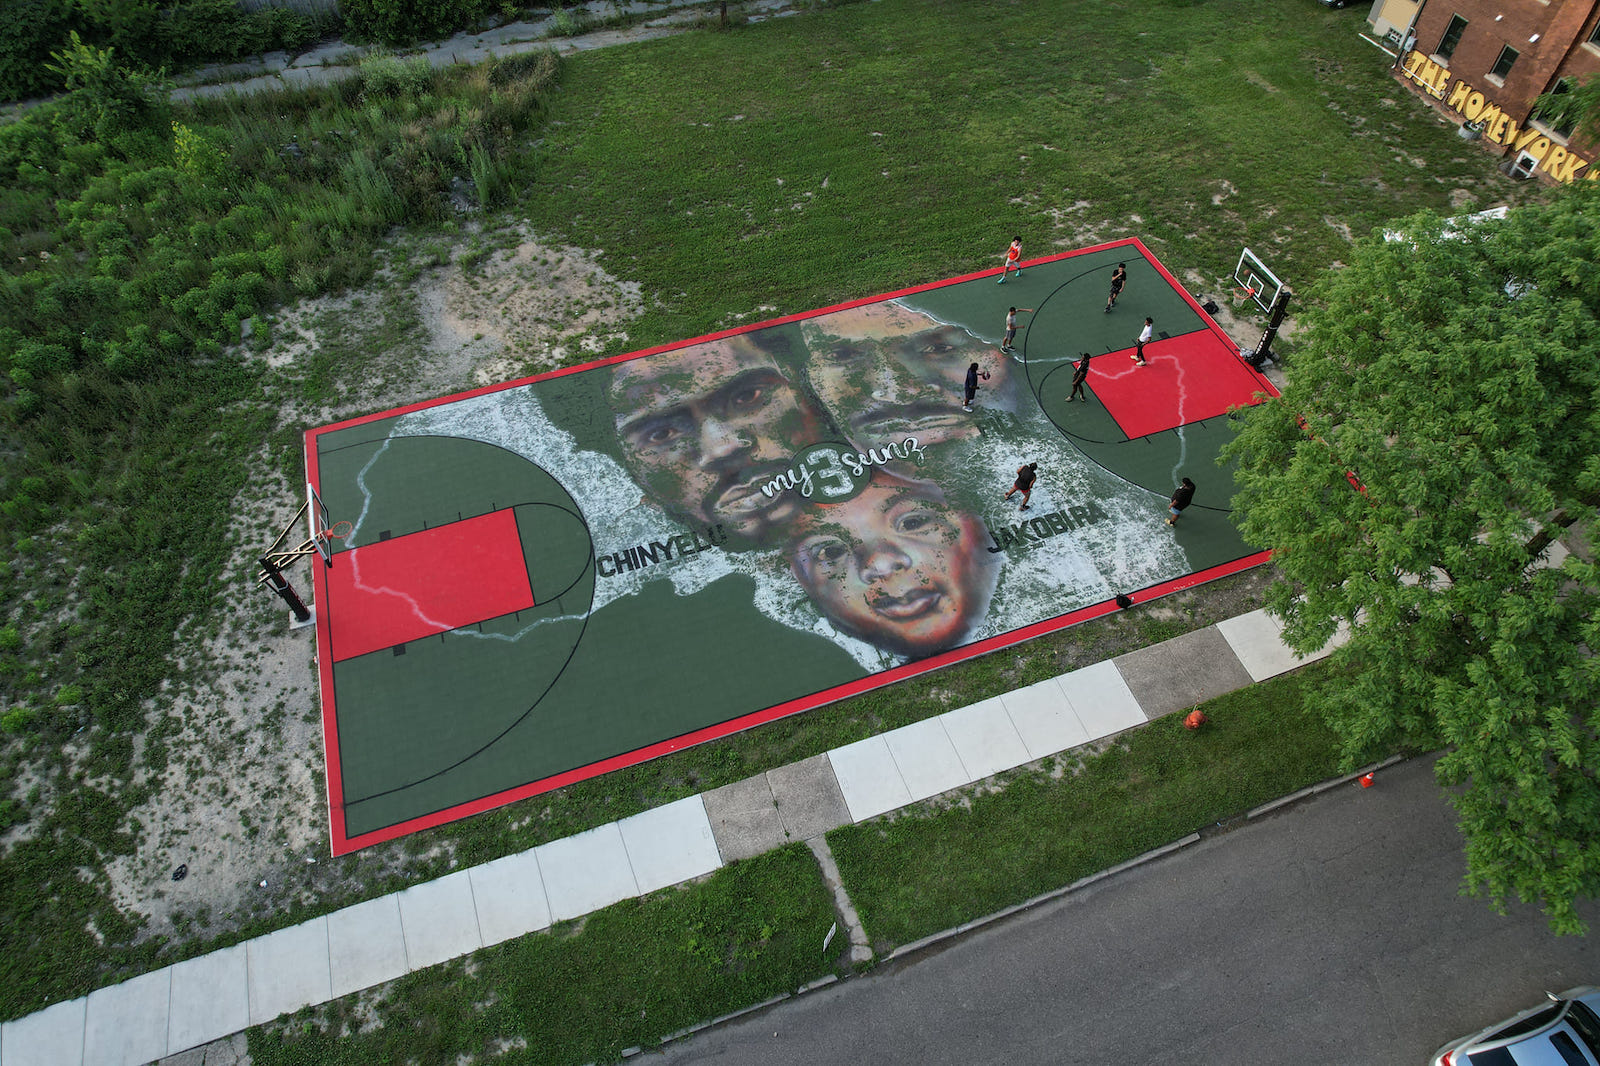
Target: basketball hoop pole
point(272, 577)
point(1280, 309)
point(275, 558)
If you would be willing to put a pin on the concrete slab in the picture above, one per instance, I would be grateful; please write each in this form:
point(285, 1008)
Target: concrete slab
point(366, 945)
point(288, 969)
point(210, 999)
point(808, 797)
point(440, 920)
point(126, 1024)
point(586, 872)
point(1101, 700)
point(1179, 673)
point(1044, 719)
point(50, 1037)
point(1257, 639)
point(669, 844)
point(230, 1051)
point(927, 759)
point(510, 897)
point(1553, 556)
point(868, 778)
point(985, 738)
point(744, 818)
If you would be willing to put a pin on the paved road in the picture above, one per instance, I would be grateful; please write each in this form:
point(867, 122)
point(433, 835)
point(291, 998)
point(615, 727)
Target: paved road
point(1331, 932)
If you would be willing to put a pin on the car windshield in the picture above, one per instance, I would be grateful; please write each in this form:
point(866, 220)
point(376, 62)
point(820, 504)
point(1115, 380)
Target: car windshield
point(1583, 1020)
point(1573, 1041)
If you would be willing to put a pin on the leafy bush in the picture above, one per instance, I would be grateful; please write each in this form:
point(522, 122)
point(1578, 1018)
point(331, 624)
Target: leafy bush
point(29, 31)
point(387, 75)
point(220, 29)
point(405, 21)
point(103, 98)
point(195, 153)
point(143, 34)
point(17, 719)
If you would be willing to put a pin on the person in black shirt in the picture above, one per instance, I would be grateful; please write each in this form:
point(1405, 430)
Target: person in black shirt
point(1180, 499)
point(1119, 277)
point(972, 385)
point(1027, 474)
point(1079, 377)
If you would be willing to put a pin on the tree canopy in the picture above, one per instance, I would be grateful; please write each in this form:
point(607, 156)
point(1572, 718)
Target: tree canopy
point(1453, 367)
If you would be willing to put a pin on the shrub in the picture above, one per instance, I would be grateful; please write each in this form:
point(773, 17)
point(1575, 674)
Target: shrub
point(29, 31)
point(211, 29)
point(387, 75)
point(195, 153)
point(103, 98)
point(405, 21)
point(17, 719)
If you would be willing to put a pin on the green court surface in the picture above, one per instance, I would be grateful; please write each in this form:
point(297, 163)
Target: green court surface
point(557, 577)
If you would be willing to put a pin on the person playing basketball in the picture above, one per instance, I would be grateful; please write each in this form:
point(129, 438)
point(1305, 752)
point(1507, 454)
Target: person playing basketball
point(1119, 277)
point(973, 374)
point(1027, 474)
point(1013, 259)
point(1011, 327)
point(1079, 378)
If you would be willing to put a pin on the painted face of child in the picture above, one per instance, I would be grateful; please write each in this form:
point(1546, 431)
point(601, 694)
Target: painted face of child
point(896, 566)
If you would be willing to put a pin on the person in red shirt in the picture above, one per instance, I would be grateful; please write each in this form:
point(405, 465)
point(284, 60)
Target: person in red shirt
point(1013, 259)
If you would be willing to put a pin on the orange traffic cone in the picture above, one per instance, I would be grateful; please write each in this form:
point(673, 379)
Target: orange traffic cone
point(1366, 779)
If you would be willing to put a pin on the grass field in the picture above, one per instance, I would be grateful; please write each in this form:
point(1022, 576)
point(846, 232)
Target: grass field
point(626, 976)
point(935, 869)
point(729, 177)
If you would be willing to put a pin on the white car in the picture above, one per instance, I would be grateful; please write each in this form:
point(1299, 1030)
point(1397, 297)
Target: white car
point(1563, 1032)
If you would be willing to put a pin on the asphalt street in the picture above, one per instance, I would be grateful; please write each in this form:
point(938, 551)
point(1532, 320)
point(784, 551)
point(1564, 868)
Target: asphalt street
point(1332, 931)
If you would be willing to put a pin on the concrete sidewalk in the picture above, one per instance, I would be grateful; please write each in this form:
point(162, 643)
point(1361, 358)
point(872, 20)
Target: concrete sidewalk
point(335, 60)
point(200, 1000)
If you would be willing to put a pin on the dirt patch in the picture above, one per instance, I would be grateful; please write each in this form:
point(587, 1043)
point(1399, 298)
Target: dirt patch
point(528, 309)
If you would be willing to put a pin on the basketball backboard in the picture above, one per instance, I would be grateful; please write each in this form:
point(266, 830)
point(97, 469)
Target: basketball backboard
point(1255, 281)
point(318, 524)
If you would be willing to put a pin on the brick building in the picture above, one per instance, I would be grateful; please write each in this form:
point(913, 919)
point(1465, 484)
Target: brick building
point(1485, 63)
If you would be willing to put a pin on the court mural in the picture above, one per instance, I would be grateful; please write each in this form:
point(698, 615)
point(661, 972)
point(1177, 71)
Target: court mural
point(559, 577)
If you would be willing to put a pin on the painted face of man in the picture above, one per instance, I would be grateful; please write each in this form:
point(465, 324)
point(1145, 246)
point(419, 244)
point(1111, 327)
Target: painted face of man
point(702, 429)
point(896, 566)
point(885, 372)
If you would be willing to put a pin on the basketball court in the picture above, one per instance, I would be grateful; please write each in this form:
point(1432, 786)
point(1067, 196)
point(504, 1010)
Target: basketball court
point(539, 582)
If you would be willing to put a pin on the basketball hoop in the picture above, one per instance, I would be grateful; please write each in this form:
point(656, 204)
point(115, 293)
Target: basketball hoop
point(339, 530)
point(1254, 282)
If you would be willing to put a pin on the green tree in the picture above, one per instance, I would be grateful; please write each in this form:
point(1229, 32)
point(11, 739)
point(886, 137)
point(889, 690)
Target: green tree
point(1454, 370)
point(1574, 103)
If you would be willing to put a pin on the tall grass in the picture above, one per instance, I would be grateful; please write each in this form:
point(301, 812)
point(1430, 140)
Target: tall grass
point(129, 267)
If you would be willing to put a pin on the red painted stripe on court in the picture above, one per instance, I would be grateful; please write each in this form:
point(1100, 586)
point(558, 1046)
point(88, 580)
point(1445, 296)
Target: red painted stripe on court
point(1186, 379)
point(393, 591)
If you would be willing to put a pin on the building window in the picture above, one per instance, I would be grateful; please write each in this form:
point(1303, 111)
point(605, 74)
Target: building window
point(1594, 36)
point(1555, 111)
point(1502, 66)
point(1451, 38)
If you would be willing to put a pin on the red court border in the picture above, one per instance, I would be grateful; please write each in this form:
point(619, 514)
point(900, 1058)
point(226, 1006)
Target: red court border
point(342, 844)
